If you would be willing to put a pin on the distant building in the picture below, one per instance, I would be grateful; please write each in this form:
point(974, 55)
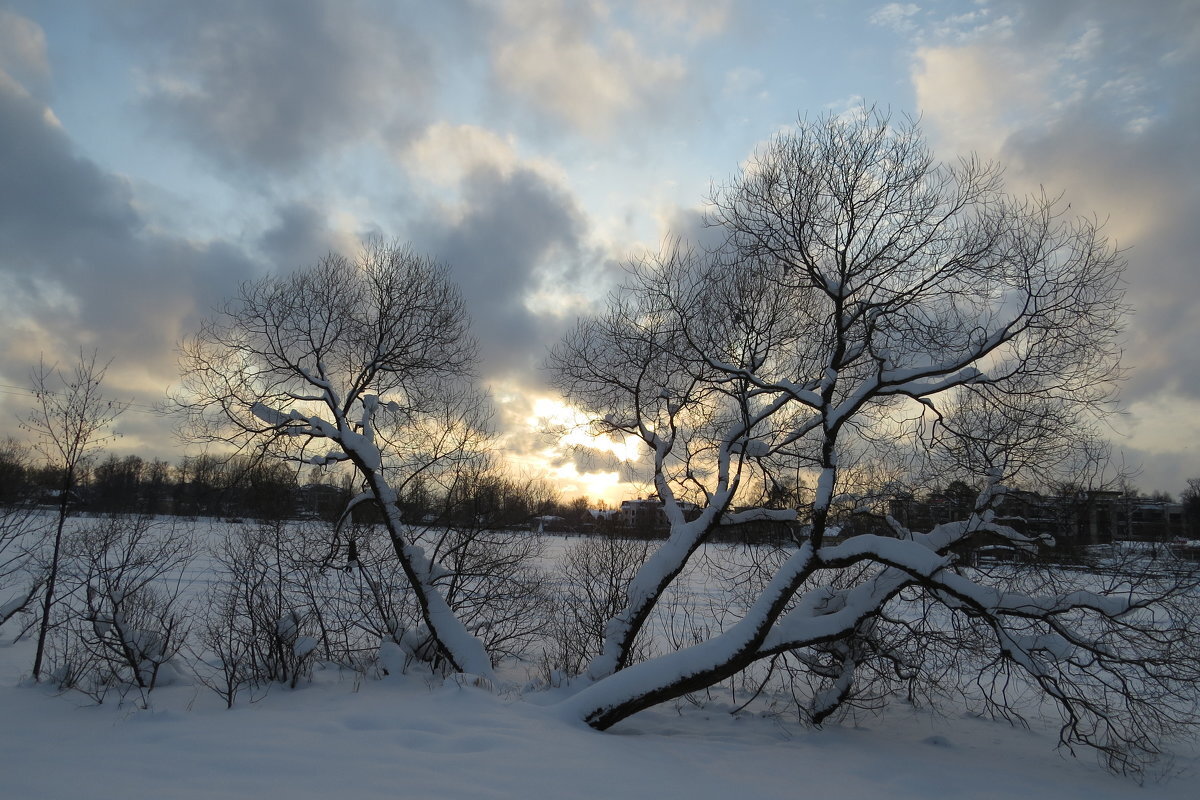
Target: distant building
point(1073, 519)
point(549, 523)
point(1145, 520)
point(642, 514)
point(647, 514)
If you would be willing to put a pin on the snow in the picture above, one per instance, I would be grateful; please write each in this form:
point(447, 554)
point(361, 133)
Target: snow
point(402, 737)
point(411, 735)
point(11, 606)
point(905, 554)
point(824, 493)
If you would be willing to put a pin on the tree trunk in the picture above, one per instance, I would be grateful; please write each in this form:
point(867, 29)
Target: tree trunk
point(52, 578)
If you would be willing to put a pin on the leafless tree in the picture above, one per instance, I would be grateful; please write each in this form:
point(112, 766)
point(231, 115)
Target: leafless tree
point(867, 294)
point(70, 420)
point(492, 579)
point(364, 361)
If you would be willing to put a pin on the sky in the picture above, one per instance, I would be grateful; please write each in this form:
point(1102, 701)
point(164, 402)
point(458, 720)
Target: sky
point(155, 155)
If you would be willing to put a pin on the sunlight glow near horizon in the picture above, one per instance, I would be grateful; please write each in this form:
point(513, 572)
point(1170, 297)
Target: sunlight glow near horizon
point(571, 430)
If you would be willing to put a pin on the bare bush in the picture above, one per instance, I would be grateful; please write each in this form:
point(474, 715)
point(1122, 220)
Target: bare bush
point(258, 626)
point(292, 595)
point(593, 578)
point(124, 619)
point(22, 531)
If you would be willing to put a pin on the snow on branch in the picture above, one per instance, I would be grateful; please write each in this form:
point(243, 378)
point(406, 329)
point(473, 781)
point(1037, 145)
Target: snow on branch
point(760, 515)
point(906, 555)
point(999, 602)
point(273, 416)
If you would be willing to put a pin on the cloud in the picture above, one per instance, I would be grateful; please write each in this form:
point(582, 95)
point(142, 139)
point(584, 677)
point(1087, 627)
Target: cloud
point(445, 154)
point(694, 19)
point(83, 261)
point(78, 267)
point(510, 232)
point(896, 16)
point(50, 195)
point(301, 235)
point(515, 237)
point(278, 83)
point(23, 52)
point(744, 81)
point(1098, 100)
point(979, 95)
point(575, 66)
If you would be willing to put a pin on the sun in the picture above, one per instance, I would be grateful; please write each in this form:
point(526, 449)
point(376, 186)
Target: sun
point(567, 430)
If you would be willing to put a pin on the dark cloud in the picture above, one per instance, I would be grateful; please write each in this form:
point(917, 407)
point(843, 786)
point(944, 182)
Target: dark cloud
point(277, 83)
point(1125, 148)
point(513, 231)
point(299, 238)
point(80, 268)
point(1139, 185)
point(1133, 33)
point(689, 226)
point(47, 189)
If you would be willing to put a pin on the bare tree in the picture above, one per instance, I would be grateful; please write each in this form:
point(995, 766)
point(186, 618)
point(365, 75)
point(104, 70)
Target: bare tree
point(71, 419)
point(492, 580)
point(363, 361)
point(1190, 498)
point(864, 293)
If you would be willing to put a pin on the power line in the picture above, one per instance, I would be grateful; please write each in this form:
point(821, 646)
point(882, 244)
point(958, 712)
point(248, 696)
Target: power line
point(10, 390)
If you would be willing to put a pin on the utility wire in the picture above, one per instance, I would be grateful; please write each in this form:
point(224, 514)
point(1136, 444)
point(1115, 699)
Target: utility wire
point(23, 391)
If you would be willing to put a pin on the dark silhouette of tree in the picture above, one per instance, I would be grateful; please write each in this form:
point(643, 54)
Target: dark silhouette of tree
point(864, 297)
point(362, 361)
point(70, 420)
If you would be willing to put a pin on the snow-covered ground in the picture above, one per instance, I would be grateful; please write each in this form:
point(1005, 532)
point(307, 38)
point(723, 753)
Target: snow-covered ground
point(401, 737)
point(409, 736)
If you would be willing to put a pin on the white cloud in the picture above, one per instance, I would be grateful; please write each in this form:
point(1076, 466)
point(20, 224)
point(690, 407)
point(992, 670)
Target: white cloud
point(445, 154)
point(1087, 46)
point(897, 16)
point(977, 95)
point(973, 26)
point(577, 67)
point(695, 19)
point(23, 51)
point(744, 82)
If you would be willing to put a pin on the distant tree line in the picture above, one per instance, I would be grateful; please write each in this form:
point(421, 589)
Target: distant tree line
point(250, 488)
point(254, 488)
point(195, 486)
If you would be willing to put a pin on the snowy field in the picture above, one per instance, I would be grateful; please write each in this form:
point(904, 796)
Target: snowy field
point(339, 735)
